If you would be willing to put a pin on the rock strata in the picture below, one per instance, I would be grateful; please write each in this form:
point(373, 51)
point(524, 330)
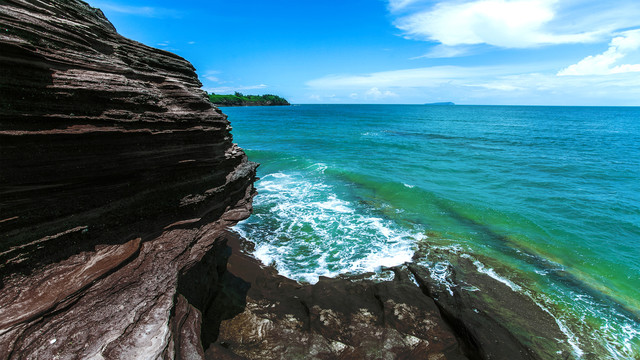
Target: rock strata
point(103, 139)
point(117, 175)
point(118, 183)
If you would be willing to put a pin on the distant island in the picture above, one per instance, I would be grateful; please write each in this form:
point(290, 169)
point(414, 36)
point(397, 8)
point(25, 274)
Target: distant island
point(238, 99)
point(441, 103)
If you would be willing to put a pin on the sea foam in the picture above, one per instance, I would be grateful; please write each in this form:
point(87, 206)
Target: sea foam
point(304, 228)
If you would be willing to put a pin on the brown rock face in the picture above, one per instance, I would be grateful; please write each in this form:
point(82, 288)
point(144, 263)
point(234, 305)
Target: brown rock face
point(103, 139)
point(116, 174)
point(118, 181)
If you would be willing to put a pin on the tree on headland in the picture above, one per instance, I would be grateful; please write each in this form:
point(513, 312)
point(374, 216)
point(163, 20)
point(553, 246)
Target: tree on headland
point(238, 99)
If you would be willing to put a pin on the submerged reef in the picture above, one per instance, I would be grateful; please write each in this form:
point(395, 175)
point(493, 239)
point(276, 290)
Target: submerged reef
point(119, 181)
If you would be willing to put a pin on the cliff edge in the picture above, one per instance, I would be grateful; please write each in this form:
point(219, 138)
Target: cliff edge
point(117, 174)
point(118, 183)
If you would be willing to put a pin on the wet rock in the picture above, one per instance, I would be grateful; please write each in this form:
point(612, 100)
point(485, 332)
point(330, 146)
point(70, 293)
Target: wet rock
point(278, 318)
point(492, 320)
point(119, 181)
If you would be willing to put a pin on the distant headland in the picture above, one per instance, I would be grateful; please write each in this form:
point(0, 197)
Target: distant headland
point(238, 99)
point(440, 103)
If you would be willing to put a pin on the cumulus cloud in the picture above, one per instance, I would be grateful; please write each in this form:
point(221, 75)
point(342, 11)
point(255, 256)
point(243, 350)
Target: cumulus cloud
point(516, 85)
point(620, 47)
point(332, 98)
point(376, 94)
point(503, 23)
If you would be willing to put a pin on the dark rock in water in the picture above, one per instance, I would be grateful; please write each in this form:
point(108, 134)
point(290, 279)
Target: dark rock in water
point(492, 319)
point(278, 318)
point(119, 180)
point(351, 318)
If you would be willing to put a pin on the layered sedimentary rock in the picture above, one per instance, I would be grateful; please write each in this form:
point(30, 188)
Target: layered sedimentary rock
point(116, 174)
point(118, 182)
point(98, 130)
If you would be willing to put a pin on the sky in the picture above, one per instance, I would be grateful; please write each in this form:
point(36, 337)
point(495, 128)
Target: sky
point(494, 52)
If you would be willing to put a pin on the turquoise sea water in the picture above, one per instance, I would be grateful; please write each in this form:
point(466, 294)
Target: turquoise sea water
point(544, 198)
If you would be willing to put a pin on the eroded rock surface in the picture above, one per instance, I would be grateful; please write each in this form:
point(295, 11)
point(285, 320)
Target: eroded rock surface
point(333, 319)
point(118, 182)
point(103, 139)
point(117, 174)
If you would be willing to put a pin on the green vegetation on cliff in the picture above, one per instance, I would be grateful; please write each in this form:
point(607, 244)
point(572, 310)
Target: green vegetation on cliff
point(238, 99)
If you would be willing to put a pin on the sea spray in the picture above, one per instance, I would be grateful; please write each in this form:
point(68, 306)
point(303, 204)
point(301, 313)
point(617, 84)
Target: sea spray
point(306, 230)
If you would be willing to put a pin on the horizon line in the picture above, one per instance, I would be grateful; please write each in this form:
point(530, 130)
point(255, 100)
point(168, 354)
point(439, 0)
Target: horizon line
point(455, 104)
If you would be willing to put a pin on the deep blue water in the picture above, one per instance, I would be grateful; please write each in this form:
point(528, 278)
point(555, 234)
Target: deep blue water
point(546, 198)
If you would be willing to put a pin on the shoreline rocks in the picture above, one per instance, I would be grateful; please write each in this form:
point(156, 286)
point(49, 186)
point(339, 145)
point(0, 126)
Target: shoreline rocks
point(119, 183)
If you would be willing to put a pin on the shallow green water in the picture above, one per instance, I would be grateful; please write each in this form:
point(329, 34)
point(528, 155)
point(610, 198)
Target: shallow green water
point(545, 198)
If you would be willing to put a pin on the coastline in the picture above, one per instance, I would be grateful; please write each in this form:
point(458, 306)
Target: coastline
point(246, 105)
point(120, 217)
point(385, 186)
point(353, 310)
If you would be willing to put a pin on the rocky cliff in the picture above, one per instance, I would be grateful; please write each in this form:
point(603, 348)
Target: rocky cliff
point(116, 175)
point(118, 182)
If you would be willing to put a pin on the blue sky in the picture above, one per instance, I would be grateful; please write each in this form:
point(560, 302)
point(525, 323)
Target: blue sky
point(538, 52)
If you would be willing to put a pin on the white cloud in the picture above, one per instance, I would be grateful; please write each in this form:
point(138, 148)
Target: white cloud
point(497, 85)
point(396, 5)
point(212, 75)
point(443, 51)
point(516, 85)
point(333, 98)
point(604, 64)
point(419, 77)
point(191, 42)
point(549, 89)
point(375, 94)
point(166, 45)
point(503, 23)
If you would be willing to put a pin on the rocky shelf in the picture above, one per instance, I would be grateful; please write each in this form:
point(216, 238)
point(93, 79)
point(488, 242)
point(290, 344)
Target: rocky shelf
point(119, 183)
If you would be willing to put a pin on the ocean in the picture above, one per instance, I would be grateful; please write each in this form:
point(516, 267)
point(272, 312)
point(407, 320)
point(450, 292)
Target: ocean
point(545, 199)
